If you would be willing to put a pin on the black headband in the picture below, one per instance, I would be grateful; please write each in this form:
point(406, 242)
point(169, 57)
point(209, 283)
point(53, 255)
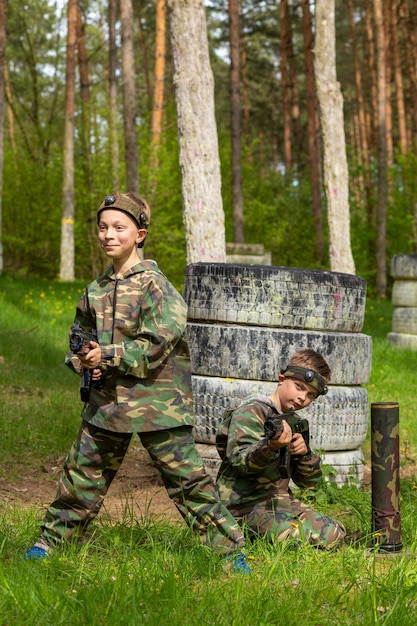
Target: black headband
point(308, 376)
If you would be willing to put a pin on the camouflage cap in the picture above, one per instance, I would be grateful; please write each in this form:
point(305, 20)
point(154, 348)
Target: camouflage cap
point(308, 376)
point(130, 204)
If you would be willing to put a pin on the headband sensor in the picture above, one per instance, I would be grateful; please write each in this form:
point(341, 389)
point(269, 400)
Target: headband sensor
point(308, 376)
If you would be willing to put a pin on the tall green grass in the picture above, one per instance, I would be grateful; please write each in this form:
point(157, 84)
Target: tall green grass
point(145, 571)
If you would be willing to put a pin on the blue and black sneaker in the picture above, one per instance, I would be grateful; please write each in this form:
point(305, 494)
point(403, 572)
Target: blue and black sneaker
point(239, 563)
point(38, 551)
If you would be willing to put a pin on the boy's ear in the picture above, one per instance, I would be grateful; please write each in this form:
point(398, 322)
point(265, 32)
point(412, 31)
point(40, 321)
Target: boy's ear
point(281, 378)
point(142, 232)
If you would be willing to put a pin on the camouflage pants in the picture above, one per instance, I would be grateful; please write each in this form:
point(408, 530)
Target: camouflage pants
point(283, 517)
point(93, 462)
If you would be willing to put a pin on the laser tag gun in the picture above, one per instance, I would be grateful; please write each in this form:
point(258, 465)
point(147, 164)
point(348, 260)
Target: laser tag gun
point(78, 340)
point(273, 428)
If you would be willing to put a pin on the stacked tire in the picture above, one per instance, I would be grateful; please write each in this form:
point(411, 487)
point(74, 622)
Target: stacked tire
point(404, 299)
point(244, 324)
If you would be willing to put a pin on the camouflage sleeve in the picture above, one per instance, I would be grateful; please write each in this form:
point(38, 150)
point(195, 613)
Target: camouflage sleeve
point(247, 449)
point(152, 323)
point(307, 473)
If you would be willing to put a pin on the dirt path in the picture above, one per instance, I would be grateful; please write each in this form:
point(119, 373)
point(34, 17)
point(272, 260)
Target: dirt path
point(137, 486)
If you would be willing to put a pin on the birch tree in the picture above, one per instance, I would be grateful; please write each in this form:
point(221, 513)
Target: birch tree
point(67, 223)
point(334, 147)
point(197, 133)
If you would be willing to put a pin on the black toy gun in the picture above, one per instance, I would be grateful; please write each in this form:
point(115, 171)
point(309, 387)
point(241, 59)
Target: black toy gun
point(78, 340)
point(273, 428)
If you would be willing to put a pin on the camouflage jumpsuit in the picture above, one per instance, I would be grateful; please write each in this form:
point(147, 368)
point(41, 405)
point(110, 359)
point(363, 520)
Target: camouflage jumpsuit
point(250, 485)
point(140, 320)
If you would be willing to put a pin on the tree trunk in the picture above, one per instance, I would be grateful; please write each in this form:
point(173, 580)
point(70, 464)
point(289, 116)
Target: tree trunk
point(129, 98)
point(381, 261)
point(3, 18)
point(286, 101)
point(370, 54)
point(245, 94)
point(332, 123)
point(295, 97)
point(388, 106)
point(10, 114)
point(159, 80)
point(88, 184)
point(373, 135)
point(144, 51)
point(237, 193)
point(410, 43)
point(67, 223)
point(359, 91)
point(399, 88)
point(313, 151)
point(114, 135)
point(197, 133)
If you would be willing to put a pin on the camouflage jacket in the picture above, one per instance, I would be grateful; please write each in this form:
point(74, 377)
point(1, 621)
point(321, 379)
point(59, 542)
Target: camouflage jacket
point(249, 471)
point(140, 320)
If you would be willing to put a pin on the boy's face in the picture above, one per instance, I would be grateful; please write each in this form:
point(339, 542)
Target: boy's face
point(294, 394)
point(118, 234)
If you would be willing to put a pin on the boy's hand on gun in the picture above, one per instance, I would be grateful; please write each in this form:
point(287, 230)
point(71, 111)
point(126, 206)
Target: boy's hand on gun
point(284, 439)
point(295, 441)
point(298, 445)
point(90, 357)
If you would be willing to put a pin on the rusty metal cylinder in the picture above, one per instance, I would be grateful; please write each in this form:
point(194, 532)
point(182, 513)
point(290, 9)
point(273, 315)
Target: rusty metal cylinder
point(385, 467)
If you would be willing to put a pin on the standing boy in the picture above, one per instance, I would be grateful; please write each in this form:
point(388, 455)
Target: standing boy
point(252, 481)
point(141, 383)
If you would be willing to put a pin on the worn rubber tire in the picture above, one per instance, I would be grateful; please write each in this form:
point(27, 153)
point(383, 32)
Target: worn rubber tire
point(348, 466)
point(257, 353)
point(404, 293)
point(404, 320)
point(278, 297)
point(338, 421)
point(403, 340)
point(404, 266)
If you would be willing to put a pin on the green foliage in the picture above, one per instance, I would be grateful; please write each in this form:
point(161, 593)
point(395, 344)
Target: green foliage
point(277, 209)
point(278, 213)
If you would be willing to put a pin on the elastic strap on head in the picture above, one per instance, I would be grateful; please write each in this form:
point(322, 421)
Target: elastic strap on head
point(308, 376)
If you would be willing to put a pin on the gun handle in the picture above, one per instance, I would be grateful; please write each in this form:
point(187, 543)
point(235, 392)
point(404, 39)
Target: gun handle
point(85, 387)
point(284, 462)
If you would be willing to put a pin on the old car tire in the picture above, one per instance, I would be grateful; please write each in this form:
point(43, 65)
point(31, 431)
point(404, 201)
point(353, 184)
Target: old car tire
point(258, 353)
point(404, 320)
point(404, 266)
point(283, 297)
point(338, 421)
point(348, 465)
point(404, 341)
point(244, 324)
point(404, 293)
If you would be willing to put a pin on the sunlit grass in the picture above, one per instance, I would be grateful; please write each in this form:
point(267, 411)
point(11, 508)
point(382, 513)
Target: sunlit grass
point(145, 571)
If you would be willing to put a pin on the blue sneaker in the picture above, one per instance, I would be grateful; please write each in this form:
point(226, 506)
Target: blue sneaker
point(36, 552)
point(240, 564)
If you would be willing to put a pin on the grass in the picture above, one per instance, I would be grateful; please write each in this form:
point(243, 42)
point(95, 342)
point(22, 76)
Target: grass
point(145, 571)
